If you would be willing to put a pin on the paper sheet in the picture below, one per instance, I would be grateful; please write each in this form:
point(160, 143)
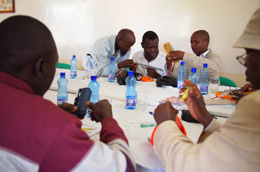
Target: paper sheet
point(87, 122)
point(145, 118)
point(144, 154)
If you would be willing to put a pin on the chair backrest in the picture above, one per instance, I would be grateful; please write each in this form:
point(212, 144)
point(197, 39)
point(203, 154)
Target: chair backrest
point(226, 82)
point(63, 66)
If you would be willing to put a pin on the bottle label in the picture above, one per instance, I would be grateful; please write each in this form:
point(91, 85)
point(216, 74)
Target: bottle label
point(111, 77)
point(60, 101)
point(204, 88)
point(73, 74)
point(130, 101)
point(179, 84)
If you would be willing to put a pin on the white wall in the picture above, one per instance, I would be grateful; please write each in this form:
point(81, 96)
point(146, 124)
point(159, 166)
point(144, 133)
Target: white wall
point(77, 24)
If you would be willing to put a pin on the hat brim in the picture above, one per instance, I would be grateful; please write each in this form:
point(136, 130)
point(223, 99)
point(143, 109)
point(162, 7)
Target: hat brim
point(248, 41)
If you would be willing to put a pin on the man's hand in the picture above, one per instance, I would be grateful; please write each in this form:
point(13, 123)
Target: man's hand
point(129, 63)
point(236, 96)
point(100, 110)
point(247, 88)
point(68, 107)
point(165, 112)
point(176, 55)
point(134, 68)
point(196, 105)
point(152, 73)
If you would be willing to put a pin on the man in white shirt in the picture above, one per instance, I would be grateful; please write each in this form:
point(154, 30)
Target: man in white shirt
point(150, 56)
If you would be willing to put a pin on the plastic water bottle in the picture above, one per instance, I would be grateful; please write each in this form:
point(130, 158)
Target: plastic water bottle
point(131, 95)
point(73, 67)
point(193, 76)
point(204, 80)
point(62, 96)
point(94, 87)
point(111, 72)
point(181, 75)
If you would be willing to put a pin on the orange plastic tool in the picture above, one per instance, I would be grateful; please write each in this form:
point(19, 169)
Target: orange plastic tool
point(225, 97)
point(147, 79)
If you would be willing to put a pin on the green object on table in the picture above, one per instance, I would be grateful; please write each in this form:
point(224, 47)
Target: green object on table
point(127, 69)
point(63, 66)
point(226, 82)
point(147, 125)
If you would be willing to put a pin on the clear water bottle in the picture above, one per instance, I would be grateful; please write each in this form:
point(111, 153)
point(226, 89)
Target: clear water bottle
point(131, 95)
point(204, 80)
point(181, 75)
point(94, 87)
point(111, 72)
point(193, 76)
point(73, 67)
point(62, 96)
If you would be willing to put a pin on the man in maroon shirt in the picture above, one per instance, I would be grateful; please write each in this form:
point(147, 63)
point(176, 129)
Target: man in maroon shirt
point(35, 134)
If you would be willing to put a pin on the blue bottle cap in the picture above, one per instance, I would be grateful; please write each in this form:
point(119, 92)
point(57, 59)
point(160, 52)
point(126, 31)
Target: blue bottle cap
point(193, 70)
point(74, 56)
point(131, 73)
point(205, 65)
point(111, 58)
point(62, 74)
point(93, 78)
point(182, 62)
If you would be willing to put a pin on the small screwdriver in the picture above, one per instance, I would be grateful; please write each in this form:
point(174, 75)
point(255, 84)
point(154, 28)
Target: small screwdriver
point(184, 96)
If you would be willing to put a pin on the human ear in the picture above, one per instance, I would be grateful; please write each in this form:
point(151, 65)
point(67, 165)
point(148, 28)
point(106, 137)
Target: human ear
point(207, 41)
point(142, 44)
point(39, 67)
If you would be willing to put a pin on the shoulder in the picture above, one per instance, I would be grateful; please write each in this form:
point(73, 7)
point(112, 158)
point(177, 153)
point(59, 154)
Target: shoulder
point(251, 98)
point(212, 54)
point(249, 105)
point(161, 54)
point(139, 54)
point(106, 40)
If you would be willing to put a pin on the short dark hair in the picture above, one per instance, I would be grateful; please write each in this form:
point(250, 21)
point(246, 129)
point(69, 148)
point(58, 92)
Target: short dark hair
point(203, 33)
point(24, 40)
point(151, 35)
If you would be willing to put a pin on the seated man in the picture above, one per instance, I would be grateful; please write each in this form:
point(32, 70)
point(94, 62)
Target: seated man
point(36, 135)
point(234, 146)
point(118, 46)
point(150, 56)
point(199, 44)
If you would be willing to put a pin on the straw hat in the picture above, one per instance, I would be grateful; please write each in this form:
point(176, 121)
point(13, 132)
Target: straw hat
point(251, 36)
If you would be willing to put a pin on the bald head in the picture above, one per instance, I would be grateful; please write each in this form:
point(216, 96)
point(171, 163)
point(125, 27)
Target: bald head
point(23, 41)
point(203, 34)
point(125, 40)
point(126, 34)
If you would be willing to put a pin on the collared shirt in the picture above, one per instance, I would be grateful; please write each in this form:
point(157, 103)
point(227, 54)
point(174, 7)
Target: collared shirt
point(204, 54)
point(158, 62)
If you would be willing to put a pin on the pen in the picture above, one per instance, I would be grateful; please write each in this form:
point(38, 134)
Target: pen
point(148, 125)
point(151, 113)
point(87, 129)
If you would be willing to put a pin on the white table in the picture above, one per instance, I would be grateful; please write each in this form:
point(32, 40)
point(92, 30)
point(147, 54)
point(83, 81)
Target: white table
point(130, 120)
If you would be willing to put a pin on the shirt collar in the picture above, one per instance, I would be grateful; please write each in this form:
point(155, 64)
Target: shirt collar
point(15, 82)
point(204, 54)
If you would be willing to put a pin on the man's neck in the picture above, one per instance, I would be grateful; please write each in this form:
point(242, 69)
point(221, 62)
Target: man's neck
point(150, 58)
point(203, 54)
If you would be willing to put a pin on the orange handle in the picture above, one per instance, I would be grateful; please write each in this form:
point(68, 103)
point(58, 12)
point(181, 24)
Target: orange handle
point(179, 124)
